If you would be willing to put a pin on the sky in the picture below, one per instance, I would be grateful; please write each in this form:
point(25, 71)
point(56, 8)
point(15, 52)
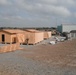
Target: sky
point(37, 13)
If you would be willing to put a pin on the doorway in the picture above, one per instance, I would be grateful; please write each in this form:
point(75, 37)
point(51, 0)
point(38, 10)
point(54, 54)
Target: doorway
point(14, 40)
point(3, 37)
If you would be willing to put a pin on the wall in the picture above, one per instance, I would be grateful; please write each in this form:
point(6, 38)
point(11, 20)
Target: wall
point(12, 38)
point(9, 48)
point(7, 37)
point(66, 28)
point(30, 36)
point(47, 35)
point(20, 37)
point(39, 37)
point(59, 28)
point(73, 35)
point(33, 37)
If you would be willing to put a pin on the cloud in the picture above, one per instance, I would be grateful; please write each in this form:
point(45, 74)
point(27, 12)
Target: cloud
point(4, 2)
point(74, 15)
point(42, 8)
point(36, 12)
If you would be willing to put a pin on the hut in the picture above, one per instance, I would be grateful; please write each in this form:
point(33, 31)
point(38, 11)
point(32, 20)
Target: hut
point(47, 34)
point(11, 35)
point(29, 36)
point(33, 36)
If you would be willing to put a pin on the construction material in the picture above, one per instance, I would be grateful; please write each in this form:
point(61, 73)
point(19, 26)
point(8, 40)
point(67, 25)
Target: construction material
point(52, 42)
point(9, 48)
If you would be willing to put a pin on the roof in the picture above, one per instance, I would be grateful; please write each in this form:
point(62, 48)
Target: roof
point(32, 30)
point(73, 31)
point(68, 24)
point(13, 31)
point(47, 31)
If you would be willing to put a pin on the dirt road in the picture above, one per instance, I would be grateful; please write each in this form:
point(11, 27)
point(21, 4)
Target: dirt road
point(45, 59)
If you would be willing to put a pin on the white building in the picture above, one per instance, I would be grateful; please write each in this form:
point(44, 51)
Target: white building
point(66, 28)
point(73, 33)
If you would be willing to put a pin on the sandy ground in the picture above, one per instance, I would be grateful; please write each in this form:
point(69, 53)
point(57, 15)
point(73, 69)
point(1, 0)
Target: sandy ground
point(42, 59)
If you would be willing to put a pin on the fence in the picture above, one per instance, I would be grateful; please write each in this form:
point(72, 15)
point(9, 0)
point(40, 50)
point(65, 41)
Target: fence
point(9, 48)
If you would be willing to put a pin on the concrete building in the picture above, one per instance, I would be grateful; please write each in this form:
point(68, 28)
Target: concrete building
point(66, 28)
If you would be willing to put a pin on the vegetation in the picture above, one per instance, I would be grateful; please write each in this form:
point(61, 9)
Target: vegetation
point(37, 28)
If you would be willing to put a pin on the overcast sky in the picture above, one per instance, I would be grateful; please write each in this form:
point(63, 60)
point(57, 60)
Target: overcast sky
point(37, 13)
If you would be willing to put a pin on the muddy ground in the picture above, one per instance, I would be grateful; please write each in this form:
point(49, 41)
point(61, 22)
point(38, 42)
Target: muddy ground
point(42, 59)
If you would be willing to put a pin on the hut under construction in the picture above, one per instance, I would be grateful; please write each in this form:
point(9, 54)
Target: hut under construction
point(33, 36)
point(47, 34)
point(29, 36)
point(11, 36)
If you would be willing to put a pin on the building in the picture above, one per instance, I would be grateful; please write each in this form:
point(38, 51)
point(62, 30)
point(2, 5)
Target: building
point(28, 36)
point(47, 34)
point(11, 36)
point(67, 35)
point(33, 36)
point(66, 28)
point(73, 33)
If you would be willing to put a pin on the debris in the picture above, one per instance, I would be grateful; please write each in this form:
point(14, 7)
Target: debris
point(52, 42)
